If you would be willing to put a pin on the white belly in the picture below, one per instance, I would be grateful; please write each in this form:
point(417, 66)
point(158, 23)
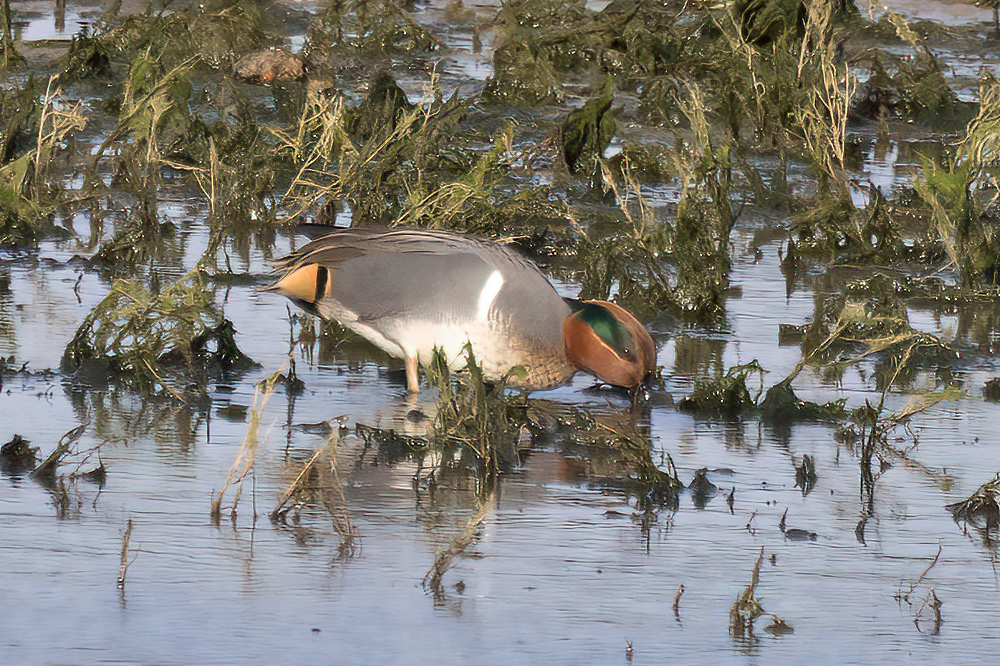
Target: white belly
point(492, 353)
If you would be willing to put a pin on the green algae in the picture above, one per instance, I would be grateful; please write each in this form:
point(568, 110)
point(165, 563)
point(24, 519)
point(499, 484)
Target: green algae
point(374, 155)
point(161, 341)
point(477, 416)
point(982, 508)
point(540, 41)
point(32, 137)
point(8, 54)
point(781, 405)
point(88, 57)
point(216, 32)
point(587, 131)
point(370, 25)
point(727, 395)
point(380, 112)
point(681, 267)
point(395, 163)
point(724, 395)
point(917, 90)
point(961, 195)
point(154, 112)
point(616, 449)
point(763, 22)
point(521, 76)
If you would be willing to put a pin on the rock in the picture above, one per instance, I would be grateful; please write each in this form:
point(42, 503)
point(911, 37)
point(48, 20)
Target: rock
point(265, 67)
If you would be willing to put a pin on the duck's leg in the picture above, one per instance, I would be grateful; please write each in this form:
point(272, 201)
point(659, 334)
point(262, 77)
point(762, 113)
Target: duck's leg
point(412, 384)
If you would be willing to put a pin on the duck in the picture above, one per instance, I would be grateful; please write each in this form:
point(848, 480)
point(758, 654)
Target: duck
point(413, 291)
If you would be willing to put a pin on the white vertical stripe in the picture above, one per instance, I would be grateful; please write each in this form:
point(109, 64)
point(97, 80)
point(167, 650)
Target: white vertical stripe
point(488, 295)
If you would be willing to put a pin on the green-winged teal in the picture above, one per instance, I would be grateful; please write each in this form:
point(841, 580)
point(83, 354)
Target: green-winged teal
point(410, 291)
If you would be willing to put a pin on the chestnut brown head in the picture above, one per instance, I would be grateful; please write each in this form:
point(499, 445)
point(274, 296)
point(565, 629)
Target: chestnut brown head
point(605, 340)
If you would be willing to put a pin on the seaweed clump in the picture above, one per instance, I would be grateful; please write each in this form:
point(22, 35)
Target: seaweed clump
point(154, 342)
point(395, 163)
point(586, 132)
point(839, 230)
point(681, 267)
point(725, 395)
point(991, 392)
point(982, 508)
point(868, 318)
point(781, 405)
point(539, 40)
point(17, 457)
point(216, 32)
point(961, 195)
point(728, 396)
point(31, 138)
point(382, 26)
point(910, 86)
point(88, 57)
point(617, 451)
point(477, 415)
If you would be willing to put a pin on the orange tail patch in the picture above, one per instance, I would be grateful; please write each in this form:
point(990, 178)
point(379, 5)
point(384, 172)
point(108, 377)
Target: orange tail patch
point(307, 283)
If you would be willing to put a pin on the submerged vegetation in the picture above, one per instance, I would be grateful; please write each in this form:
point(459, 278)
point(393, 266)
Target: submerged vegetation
point(479, 417)
point(155, 341)
point(747, 608)
point(981, 510)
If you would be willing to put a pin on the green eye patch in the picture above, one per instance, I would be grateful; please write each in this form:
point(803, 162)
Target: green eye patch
point(600, 320)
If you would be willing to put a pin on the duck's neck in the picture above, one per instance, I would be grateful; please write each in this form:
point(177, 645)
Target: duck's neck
point(546, 371)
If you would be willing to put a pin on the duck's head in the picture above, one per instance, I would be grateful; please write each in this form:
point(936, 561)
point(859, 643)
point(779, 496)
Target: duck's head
point(608, 342)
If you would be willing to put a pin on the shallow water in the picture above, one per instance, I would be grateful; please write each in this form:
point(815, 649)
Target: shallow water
point(563, 570)
point(554, 580)
point(945, 12)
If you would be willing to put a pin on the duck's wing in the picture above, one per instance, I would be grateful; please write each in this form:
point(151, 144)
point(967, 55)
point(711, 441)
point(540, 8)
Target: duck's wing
point(369, 275)
point(338, 245)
